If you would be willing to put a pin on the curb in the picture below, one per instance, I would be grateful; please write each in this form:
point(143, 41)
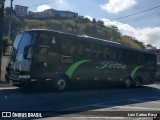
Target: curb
point(5, 85)
point(157, 82)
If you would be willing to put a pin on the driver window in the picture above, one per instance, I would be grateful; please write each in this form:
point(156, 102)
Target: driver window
point(45, 39)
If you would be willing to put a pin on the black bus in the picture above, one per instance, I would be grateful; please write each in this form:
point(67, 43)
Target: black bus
point(61, 60)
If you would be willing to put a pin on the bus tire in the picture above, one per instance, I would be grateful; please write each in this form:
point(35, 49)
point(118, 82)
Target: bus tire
point(128, 82)
point(60, 84)
point(137, 82)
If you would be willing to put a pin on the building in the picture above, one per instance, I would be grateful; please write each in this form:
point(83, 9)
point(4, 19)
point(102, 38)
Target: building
point(53, 13)
point(67, 14)
point(158, 65)
point(21, 11)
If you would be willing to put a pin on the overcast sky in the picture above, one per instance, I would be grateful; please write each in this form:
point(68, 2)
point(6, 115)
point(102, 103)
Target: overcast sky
point(145, 27)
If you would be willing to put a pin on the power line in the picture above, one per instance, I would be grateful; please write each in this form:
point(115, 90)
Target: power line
point(136, 13)
point(143, 17)
point(43, 3)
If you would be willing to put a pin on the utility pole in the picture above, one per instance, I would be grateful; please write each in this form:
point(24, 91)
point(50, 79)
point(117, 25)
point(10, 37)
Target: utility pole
point(10, 20)
point(1, 30)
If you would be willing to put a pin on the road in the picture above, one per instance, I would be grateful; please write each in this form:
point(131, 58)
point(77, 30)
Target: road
point(83, 104)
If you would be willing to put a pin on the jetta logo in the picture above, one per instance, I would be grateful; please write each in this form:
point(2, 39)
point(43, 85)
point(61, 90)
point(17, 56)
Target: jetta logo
point(109, 64)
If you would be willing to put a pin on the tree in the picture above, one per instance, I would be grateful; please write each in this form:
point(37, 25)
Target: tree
point(8, 10)
point(114, 28)
point(6, 42)
point(150, 47)
point(94, 20)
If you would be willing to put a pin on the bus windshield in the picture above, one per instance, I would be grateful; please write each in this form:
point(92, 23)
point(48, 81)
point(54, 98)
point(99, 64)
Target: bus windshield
point(17, 61)
point(17, 40)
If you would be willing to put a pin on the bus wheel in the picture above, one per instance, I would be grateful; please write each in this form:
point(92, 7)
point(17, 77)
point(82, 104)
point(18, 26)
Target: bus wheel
point(137, 82)
point(128, 83)
point(60, 84)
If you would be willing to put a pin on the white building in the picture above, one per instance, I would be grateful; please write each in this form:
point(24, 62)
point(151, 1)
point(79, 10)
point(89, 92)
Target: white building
point(68, 14)
point(54, 13)
point(21, 11)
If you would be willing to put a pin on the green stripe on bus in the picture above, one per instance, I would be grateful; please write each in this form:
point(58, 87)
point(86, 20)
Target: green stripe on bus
point(135, 70)
point(73, 67)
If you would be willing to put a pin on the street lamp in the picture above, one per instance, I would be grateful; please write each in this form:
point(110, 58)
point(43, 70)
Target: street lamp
point(10, 22)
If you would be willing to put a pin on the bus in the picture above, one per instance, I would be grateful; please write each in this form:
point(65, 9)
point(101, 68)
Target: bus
point(61, 60)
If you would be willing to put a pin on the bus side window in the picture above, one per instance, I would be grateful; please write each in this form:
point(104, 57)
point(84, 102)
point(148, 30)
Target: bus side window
point(126, 58)
point(101, 53)
point(75, 49)
point(80, 50)
point(131, 56)
point(54, 50)
point(95, 51)
point(55, 44)
point(152, 59)
point(137, 58)
point(45, 39)
point(87, 50)
point(113, 54)
point(66, 47)
point(143, 58)
point(120, 55)
point(104, 53)
point(107, 53)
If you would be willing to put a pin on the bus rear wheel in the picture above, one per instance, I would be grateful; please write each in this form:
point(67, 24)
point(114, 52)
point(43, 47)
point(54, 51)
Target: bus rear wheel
point(60, 84)
point(128, 82)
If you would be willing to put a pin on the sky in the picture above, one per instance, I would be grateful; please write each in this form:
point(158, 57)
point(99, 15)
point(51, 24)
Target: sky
point(145, 26)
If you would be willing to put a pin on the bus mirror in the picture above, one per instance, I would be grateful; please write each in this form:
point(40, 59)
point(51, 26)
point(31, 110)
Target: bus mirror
point(7, 50)
point(26, 52)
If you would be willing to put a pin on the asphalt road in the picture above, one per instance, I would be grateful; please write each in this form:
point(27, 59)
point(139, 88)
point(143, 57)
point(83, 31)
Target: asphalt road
point(83, 104)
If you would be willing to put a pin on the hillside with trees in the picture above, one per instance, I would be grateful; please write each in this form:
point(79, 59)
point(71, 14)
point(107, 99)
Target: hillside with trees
point(78, 25)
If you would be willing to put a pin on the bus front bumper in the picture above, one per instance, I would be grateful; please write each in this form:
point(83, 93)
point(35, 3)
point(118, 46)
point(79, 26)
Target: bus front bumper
point(15, 81)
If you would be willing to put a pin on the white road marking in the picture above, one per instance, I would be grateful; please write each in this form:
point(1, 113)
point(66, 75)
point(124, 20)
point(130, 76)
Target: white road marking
point(155, 102)
point(108, 118)
point(96, 105)
point(142, 118)
point(138, 100)
point(132, 99)
point(132, 107)
point(89, 105)
point(87, 118)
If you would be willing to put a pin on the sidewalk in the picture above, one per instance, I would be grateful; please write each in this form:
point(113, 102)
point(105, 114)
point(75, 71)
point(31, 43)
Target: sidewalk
point(4, 84)
point(3, 68)
point(157, 82)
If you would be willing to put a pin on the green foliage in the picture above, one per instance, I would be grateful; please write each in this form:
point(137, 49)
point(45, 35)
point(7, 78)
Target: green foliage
point(126, 41)
point(78, 25)
point(6, 41)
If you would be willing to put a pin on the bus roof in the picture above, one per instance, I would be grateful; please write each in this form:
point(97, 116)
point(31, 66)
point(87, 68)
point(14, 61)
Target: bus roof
point(93, 40)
